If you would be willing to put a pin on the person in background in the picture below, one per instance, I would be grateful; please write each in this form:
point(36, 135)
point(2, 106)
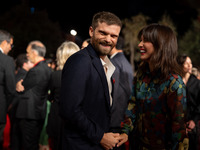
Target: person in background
point(85, 43)
point(195, 71)
point(193, 95)
point(7, 78)
point(54, 125)
point(156, 113)
point(86, 89)
point(123, 77)
point(23, 65)
point(31, 110)
point(51, 63)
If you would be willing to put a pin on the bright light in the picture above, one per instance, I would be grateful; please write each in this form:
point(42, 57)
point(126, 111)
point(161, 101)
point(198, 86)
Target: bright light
point(73, 32)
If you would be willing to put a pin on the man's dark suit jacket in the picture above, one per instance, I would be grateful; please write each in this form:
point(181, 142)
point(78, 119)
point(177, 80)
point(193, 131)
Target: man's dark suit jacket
point(7, 84)
point(84, 101)
point(123, 77)
point(32, 104)
point(21, 73)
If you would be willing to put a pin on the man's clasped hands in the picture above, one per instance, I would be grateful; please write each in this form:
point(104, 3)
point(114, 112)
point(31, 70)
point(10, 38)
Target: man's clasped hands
point(111, 140)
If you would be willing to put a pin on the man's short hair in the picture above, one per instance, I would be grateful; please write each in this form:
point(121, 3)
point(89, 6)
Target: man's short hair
point(4, 35)
point(39, 47)
point(41, 50)
point(107, 17)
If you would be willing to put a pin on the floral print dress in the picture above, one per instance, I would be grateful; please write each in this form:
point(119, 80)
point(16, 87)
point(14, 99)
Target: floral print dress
point(156, 112)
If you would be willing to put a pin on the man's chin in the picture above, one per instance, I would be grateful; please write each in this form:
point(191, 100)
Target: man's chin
point(104, 51)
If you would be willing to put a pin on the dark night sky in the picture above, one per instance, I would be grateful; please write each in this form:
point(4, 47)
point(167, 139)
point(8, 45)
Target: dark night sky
point(78, 14)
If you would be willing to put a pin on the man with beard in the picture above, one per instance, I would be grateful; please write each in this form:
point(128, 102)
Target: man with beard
point(86, 89)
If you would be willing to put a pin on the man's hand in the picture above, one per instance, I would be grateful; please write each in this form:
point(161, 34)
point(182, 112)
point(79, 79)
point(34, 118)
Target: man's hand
point(122, 139)
point(19, 86)
point(109, 140)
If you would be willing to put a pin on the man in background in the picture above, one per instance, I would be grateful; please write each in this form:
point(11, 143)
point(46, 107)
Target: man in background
point(7, 77)
point(123, 78)
point(23, 65)
point(31, 110)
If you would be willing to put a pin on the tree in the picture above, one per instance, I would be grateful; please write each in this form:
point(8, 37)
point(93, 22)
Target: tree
point(130, 31)
point(190, 43)
point(27, 24)
point(166, 20)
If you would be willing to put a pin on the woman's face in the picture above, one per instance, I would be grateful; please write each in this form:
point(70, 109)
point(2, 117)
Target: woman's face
point(146, 50)
point(187, 66)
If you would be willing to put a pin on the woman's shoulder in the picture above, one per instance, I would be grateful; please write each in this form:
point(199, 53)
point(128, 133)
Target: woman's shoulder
point(173, 76)
point(175, 81)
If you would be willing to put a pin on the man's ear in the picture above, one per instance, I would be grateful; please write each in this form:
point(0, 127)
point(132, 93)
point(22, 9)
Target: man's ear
point(91, 31)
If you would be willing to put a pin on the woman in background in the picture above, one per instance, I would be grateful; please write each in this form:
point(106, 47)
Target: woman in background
point(193, 98)
point(54, 125)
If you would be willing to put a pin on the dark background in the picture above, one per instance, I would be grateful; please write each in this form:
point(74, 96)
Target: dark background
point(78, 14)
point(73, 14)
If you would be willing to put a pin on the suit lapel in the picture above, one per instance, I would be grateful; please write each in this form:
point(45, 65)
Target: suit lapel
point(98, 66)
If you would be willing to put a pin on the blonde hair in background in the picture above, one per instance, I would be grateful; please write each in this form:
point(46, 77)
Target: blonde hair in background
point(65, 50)
point(195, 71)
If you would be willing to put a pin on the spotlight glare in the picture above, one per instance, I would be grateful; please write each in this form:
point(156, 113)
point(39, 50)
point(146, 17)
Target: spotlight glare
point(73, 32)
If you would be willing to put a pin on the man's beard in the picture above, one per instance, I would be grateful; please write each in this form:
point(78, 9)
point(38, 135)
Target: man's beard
point(100, 50)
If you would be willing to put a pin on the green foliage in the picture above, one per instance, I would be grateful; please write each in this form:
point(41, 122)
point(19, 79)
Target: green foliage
point(166, 20)
point(190, 43)
point(131, 28)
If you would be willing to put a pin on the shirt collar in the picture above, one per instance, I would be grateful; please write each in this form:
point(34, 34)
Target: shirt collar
point(1, 50)
point(103, 62)
point(113, 55)
point(106, 62)
point(38, 62)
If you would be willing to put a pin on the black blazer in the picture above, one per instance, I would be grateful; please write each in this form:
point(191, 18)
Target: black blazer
point(54, 123)
point(20, 75)
point(84, 101)
point(123, 77)
point(7, 84)
point(32, 104)
point(55, 84)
